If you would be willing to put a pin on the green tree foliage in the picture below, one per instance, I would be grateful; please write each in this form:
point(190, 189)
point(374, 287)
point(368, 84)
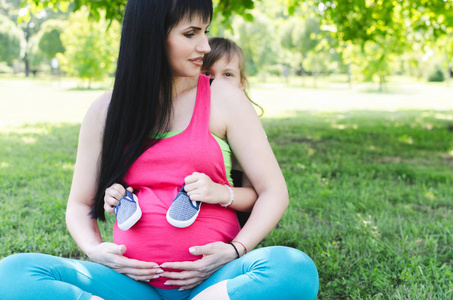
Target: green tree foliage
point(377, 33)
point(49, 38)
point(11, 40)
point(114, 9)
point(302, 37)
point(257, 41)
point(35, 56)
point(91, 49)
point(313, 47)
point(385, 29)
point(363, 20)
point(10, 8)
point(355, 19)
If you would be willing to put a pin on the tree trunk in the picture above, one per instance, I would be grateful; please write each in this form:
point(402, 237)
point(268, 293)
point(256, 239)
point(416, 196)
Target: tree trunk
point(381, 82)
point(349, 76)
point(27, 66)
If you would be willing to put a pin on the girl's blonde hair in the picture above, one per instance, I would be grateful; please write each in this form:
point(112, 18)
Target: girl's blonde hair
point(221, 47)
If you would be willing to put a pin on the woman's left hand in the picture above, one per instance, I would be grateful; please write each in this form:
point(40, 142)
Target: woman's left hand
point(215, 255)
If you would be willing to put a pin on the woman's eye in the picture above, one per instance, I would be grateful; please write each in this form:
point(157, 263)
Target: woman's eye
point(228, 75)
point(189, 35)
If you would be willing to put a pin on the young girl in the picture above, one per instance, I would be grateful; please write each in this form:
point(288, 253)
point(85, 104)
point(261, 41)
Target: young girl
point(226, 60)
point(158, 89)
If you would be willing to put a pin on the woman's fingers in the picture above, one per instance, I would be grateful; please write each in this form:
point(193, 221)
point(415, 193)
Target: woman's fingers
point(111, 255)
point(184, 265)
point(214, 256)
point(187, 283)
point(141, 274)
point(185, 279)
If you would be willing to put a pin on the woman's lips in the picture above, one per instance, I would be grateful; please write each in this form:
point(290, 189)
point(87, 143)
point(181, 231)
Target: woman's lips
point(198, 61)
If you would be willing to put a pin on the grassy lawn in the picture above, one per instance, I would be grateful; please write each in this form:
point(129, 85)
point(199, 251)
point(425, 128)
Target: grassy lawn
point(371, 190)
point(371, 201)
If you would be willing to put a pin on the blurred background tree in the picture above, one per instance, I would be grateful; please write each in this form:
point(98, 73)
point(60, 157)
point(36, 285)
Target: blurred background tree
point(362, 39)
point(11, 39)
point(91, 49)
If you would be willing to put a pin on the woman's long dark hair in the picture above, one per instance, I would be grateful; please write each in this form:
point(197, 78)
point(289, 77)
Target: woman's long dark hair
point(141, 101)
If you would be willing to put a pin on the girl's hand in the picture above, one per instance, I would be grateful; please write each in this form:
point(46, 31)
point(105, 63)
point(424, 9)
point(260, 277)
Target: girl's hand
point(200, 187)
point(111, 255)
point(215, 255)
point(112, 196)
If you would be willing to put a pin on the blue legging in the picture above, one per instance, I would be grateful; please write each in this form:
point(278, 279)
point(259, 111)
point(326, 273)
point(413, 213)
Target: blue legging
point(265, 273)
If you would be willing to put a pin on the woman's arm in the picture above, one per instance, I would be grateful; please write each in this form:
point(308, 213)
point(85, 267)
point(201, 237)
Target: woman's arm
point(233, 117)
point(253, 152)
point(83, 228)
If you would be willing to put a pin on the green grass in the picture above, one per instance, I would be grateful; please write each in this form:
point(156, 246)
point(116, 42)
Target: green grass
point(371, 201)
point(370, 191)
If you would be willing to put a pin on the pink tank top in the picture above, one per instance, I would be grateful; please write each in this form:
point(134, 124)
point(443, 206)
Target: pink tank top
point(158, 174)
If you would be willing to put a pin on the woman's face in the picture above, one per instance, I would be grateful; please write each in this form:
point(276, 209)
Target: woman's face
point(187, 43)
point(228, 70)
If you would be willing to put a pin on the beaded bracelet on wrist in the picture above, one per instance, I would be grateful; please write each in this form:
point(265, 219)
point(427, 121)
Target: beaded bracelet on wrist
point(231, 196)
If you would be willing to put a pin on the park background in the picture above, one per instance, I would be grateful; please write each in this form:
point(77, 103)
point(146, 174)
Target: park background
point(358, 107)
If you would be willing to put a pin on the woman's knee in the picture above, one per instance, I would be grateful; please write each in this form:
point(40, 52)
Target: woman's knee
point(285, 256)
point(15, 262)
point(299, 269)
point(13, 270)
point(25, 264)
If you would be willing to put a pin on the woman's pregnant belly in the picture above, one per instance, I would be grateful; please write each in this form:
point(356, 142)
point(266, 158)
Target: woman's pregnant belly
point(153, 239)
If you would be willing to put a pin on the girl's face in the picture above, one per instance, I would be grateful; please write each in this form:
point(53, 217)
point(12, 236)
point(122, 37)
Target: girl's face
point(228, 70)
point(187, 43)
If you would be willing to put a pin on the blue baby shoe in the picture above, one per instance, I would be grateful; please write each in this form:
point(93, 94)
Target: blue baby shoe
point(183, 211)
point(128, 211)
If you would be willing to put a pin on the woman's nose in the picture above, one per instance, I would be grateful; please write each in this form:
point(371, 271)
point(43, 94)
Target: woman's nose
point(204, 47)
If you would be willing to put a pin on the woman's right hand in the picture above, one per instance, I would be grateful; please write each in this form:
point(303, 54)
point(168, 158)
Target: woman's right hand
point(111, 255)
point(112, 196)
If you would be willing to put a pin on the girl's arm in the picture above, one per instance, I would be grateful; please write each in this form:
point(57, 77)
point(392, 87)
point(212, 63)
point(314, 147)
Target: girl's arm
point(200, 187)
point(83, 228)
point(245, 182)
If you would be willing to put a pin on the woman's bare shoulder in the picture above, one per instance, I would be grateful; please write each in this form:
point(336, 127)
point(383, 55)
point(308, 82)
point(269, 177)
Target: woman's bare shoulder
point(98, 109)
point(230, 108)
point(101, 104)
point(228, 96)
point(94, 120)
